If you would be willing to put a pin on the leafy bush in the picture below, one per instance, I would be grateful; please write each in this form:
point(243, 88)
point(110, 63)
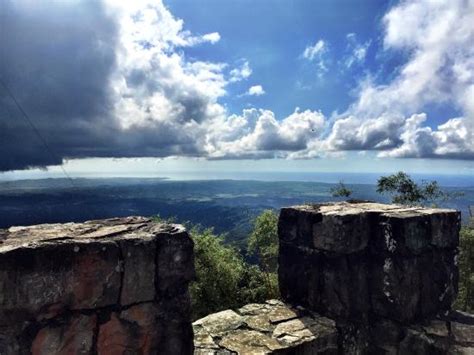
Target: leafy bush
point(223, 279)
point(465, 300)
point(263, 241)
point(341, 190)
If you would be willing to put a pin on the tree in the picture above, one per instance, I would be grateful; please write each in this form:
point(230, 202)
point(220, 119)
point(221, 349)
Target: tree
point(404, 190)
point(223, 278)
point(465, 300)
point(263, 241)
point(340, 190)
point(219, 270)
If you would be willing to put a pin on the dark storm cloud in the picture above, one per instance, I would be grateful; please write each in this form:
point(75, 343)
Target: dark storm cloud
point(56, 60)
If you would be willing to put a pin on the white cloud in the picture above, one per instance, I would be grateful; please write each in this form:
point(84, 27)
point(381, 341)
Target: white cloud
point(438, 36)
point(152, 100)
point(356, 51)
point(212, 38)
point(316, 53)
point(239, 74)
point(258, 134)
point(256, 90)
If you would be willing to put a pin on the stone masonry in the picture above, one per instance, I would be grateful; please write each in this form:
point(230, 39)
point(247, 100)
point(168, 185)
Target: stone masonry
point(272, 327)
point(355, 278)
point(117, 286)
point(364, 261)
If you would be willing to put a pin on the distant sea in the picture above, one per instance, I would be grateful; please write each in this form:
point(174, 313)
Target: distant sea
point(331, 178)
point(323, 177)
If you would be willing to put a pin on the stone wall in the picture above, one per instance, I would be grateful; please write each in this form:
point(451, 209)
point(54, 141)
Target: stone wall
point(386, 274)
point(355, 278)
point(362, 261)
point(102, 287)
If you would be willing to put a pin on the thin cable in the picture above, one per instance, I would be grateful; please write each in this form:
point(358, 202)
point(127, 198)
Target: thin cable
point(37, 132)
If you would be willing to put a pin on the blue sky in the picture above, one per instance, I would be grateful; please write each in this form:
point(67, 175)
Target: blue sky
point(273, 35)
point(367, 86)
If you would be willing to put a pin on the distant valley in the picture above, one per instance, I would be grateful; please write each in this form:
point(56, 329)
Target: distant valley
point(227, 205)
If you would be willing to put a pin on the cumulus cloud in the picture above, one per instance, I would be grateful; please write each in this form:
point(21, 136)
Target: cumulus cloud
point(440, 70)
point(316, 53)
point(257, 133)
point(240, 73)
point(256, 90)
point(112, 79)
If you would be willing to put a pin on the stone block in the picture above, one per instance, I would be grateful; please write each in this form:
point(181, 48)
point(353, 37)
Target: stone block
point(135, 330)
point(74, 337)
point(299, 275)
point(114, 286)
point(78, 275)
point(363, 260)
point(174, 262)
point(270, 328)
point(139, 260)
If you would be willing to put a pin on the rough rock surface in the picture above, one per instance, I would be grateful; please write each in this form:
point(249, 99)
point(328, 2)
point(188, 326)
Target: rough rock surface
point(109, 287)
point(268, 328)
point(359, 261)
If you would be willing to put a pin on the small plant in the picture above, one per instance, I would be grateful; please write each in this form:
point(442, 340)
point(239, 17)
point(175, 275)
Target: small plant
point(341, 190)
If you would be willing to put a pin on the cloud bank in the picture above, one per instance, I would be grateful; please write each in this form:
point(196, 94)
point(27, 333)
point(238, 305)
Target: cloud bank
point(108, 80)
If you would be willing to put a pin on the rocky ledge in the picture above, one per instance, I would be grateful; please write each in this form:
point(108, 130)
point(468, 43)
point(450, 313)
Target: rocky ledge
point(109, 286)
point(269, 328)
point(278, 328)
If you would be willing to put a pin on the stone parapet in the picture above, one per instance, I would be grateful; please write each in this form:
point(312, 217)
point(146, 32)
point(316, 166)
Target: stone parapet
point(366, 261)
point(108, 287)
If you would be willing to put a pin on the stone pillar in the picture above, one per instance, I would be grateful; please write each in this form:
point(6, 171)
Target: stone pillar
point(361, 262)
point(108, 287)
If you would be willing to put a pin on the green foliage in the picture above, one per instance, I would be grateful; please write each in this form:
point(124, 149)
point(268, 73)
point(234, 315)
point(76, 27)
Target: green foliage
point(157, 218)
point(405, 191)
point(341, 190)
point(465, 300)
point(263, 241)
point(223, 279)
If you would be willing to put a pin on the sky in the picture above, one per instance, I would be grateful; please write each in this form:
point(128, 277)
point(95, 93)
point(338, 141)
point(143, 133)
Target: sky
point(110, 87)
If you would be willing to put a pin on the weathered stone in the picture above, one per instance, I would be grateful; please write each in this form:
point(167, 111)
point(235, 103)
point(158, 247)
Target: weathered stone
point(437, 328)
point(395, 288)
point(259, 322)
point(417, 342)
point(342, 233)
point(368, 259)
point(404, 232)
point(175, 261)
point(75, 337)
point(281, 313)
point(344, 292)
point(254, 309)
point(137, 329)
point(439, 279)
point(463, 333)
point(249, 342)
point(108, 287)
point(138, 282)
point(299, 275)
point(74, 275)
point(274, 330)
point(220, 322)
